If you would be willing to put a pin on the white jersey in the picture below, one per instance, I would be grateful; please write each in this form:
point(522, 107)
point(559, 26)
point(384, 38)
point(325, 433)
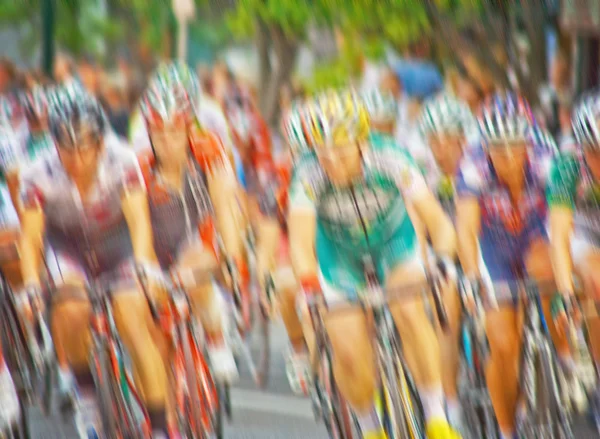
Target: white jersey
point(93, 231)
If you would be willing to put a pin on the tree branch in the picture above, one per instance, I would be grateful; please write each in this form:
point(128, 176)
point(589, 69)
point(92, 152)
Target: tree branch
point(449, 35)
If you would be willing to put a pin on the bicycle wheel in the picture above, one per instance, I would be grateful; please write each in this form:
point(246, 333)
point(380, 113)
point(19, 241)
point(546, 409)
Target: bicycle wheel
point(558, 419)
point(194, 403)
point(335, 411)
point(100, 368)
point(403, 416)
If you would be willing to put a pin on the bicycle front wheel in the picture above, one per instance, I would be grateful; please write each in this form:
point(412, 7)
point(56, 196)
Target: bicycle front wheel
point(402, 411)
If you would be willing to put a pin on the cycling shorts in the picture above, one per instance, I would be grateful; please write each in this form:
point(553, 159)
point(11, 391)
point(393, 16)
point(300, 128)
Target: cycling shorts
point(62, 266)
point(343, 270)
point(504, 253)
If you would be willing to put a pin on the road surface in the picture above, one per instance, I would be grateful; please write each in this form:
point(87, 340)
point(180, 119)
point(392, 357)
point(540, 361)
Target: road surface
point(272, 414)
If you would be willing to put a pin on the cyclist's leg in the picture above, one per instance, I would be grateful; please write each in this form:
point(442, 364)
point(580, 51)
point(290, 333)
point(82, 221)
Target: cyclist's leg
point(209, 306)
point(353, 364)
point(504, 333)
point(9, 403)
point(586, 259)
point(450, 350)
point(539, 266)
point(70, 317)
point(420, 344)
point(135, 325)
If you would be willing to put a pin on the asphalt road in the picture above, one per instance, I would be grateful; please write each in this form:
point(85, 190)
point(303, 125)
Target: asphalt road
point(272, 414)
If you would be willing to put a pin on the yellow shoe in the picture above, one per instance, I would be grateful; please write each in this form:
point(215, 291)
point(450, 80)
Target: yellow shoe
point(440, 429)
point(377, 434)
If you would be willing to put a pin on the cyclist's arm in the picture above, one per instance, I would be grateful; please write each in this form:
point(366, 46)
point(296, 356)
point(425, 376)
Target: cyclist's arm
point(398, 166)
point(562, 185)
point(471, 182)
point(134, 203)
point(223, 190)
point(302, 229)
point(561, 226)
point(438, 224)
point(31, 245)
point(302, 225)
point(468, 226)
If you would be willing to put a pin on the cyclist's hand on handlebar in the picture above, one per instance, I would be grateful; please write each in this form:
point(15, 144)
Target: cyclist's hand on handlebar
point(29, 301)
point(565, 311)
point(311, 287)
point(153, 281)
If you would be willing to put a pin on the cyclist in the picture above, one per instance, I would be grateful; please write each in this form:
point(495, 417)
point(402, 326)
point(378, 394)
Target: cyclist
point(9, 403)
point(89, 204)
point(182, 199)
point(39, 142)
point(501, 220)
point(208, 113)
point(327, 243)
point(260, 176)
point(445, 123)
point(574, 205)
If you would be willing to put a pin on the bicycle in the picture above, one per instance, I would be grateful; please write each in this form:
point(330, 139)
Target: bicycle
point(122, 410)
point(400, 404)
point(541, 394)
point(248, 318)
point(473, 391)
point(28, 347)
point(197, 396)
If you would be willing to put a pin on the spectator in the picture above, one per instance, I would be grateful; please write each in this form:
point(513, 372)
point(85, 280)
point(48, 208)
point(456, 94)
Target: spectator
point(64, 68)
point(88, 73)
point(115, 96)
point(8, 75)
point(556, 91)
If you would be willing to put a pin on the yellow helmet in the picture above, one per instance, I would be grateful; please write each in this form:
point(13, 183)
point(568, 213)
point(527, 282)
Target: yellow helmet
point(336, 118)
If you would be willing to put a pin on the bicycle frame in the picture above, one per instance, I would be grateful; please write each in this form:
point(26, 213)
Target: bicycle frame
point(539, 360)
point(195, 392)
point(327, 403)
point(107, 362)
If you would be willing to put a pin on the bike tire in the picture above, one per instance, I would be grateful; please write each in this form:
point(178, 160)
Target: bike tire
point(561, 427)
point(192, 381)
point(127, 421)
point(334, 410)
point(99, 366)
point(402, 405)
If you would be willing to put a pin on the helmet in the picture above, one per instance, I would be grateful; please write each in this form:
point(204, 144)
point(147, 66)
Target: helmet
point(239, 109)
point(71, 121)
point(293, 126)
point(7, 111)
point(544, 140)
point(382, 107)
point(175, 75)
point(35, 102)
point(445, 114)
point(585, 122)
point(336, 117)
point(506, 118)
point(162, 103)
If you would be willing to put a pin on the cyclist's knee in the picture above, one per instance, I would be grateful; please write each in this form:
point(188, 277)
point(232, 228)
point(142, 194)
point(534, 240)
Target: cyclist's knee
point(537, 261)
point(353, 359)
point(503, 332)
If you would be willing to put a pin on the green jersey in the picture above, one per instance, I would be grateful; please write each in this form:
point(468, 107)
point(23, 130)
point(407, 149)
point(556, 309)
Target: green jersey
point(571, 184)
point(367, 216)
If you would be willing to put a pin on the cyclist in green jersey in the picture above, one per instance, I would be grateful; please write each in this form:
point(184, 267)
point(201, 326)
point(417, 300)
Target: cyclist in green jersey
point(573, 195)
point(346, 187)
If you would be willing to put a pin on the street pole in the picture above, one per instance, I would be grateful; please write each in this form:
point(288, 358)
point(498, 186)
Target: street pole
point(182, 39)
point(48, 22)
point(185, 11)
